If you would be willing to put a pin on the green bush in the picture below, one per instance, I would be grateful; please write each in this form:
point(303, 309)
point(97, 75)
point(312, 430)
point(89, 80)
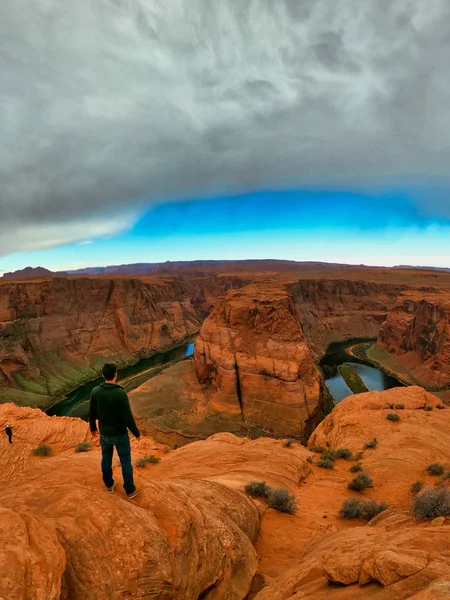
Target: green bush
point(359, 456)
point(282, 501)
point(325, 463)
point(399, 406)
point(392, 417)
point(372, 444)
point(143, 462)
point(440, 406)
point(42, 450)
point(361, 482)
point(329, 455)
point(258, 489)
point(432, 503)
point(344, 453)
point(310, 460)
point(317, 449)
point(83, 447)
point(361, 509)
point(288, 443)
point(417, 487)
point(435, 469)
point(356, 468)
point(428, 408)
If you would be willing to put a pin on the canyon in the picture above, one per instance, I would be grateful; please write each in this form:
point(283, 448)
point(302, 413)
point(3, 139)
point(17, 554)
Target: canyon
point(254, 381)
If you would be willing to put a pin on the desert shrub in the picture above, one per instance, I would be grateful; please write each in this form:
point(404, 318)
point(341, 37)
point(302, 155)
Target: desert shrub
point(428, 408)
point(390, 406)
point(143, 462)
point(258, 489)
point(361, 482)
point(359, 456)
point(329, 455)
point(440, 406)
point(399, 406)
point(344, 453)
point(372, 444)
point(325, 463)
point(354, 508)
point(310, 459)
point(42, 450)
point(288, 443)
point(282, 501)
point(356, 468)
point(435, 469)
point(83, 447)
point(432, 503)
point(417, 487)
point(446, 475)
point(392, 417)
point(317, 449)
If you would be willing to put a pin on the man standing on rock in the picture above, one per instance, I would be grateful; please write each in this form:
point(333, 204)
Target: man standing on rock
point(8, 432)
point(111, 408)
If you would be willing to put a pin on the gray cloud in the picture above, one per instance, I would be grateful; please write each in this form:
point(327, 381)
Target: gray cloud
point(107, 106)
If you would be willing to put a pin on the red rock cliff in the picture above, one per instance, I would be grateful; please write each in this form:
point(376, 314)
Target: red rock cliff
point(253, 354)
point(416, 333)
point(55, 333)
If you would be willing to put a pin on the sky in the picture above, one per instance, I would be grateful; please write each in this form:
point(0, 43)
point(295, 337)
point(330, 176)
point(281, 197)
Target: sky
point(154, 130)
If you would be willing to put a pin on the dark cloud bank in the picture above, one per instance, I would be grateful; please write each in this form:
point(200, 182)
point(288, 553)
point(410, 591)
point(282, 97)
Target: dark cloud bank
point(110, 105)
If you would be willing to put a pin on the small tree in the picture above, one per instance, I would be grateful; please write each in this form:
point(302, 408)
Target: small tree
point(354, 508)
point(435, 469)
point(258, 489)
point(344, 453)
point(325, 463)
point(372, 444)
point(392, 417)
point(356, 468)
point(83, 447)
point(361, 482)
point(42, 450)
point(282, 501)
point(416, 487)
point(432, 503)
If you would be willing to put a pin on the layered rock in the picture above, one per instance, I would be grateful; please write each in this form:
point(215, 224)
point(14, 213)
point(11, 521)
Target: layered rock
point(56, 333)
point(333, 310)
point(416, 338)
point(256, 362)
point(189, 534)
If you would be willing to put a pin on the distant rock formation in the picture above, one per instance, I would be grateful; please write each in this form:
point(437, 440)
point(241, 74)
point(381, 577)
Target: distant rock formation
point(416, 334)
point(28, 273)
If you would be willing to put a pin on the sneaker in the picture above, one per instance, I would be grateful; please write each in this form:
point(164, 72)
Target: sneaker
point(112, 488)
point(137, 490)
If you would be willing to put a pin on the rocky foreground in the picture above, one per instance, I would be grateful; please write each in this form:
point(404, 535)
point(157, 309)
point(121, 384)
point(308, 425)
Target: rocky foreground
point(195, 534)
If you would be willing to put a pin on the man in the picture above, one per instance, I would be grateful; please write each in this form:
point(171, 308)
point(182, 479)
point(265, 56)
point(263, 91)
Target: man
point(111, 408)
point(8, 432)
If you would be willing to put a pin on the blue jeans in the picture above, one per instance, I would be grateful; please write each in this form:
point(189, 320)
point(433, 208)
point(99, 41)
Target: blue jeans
point(122, 445)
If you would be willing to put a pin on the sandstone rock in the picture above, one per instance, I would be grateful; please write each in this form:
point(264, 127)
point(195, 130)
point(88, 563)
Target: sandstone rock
point(416, 334)
point(191, 531)
point(55, 333)
point(254, 357)
point(438, 522)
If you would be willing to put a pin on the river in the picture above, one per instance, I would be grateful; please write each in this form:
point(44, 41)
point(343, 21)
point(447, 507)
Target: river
point(76, 404)
point(373, 377)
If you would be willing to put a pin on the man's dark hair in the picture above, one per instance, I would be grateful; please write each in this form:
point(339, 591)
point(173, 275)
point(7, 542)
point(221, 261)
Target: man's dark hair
point(109, 370)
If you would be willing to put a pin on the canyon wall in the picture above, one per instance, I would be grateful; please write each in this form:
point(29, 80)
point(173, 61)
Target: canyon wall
point(416, 338)
point(333, 310)
point(57, 332)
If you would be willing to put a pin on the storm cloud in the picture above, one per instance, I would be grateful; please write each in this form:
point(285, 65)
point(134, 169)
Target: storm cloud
point(110, 106)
